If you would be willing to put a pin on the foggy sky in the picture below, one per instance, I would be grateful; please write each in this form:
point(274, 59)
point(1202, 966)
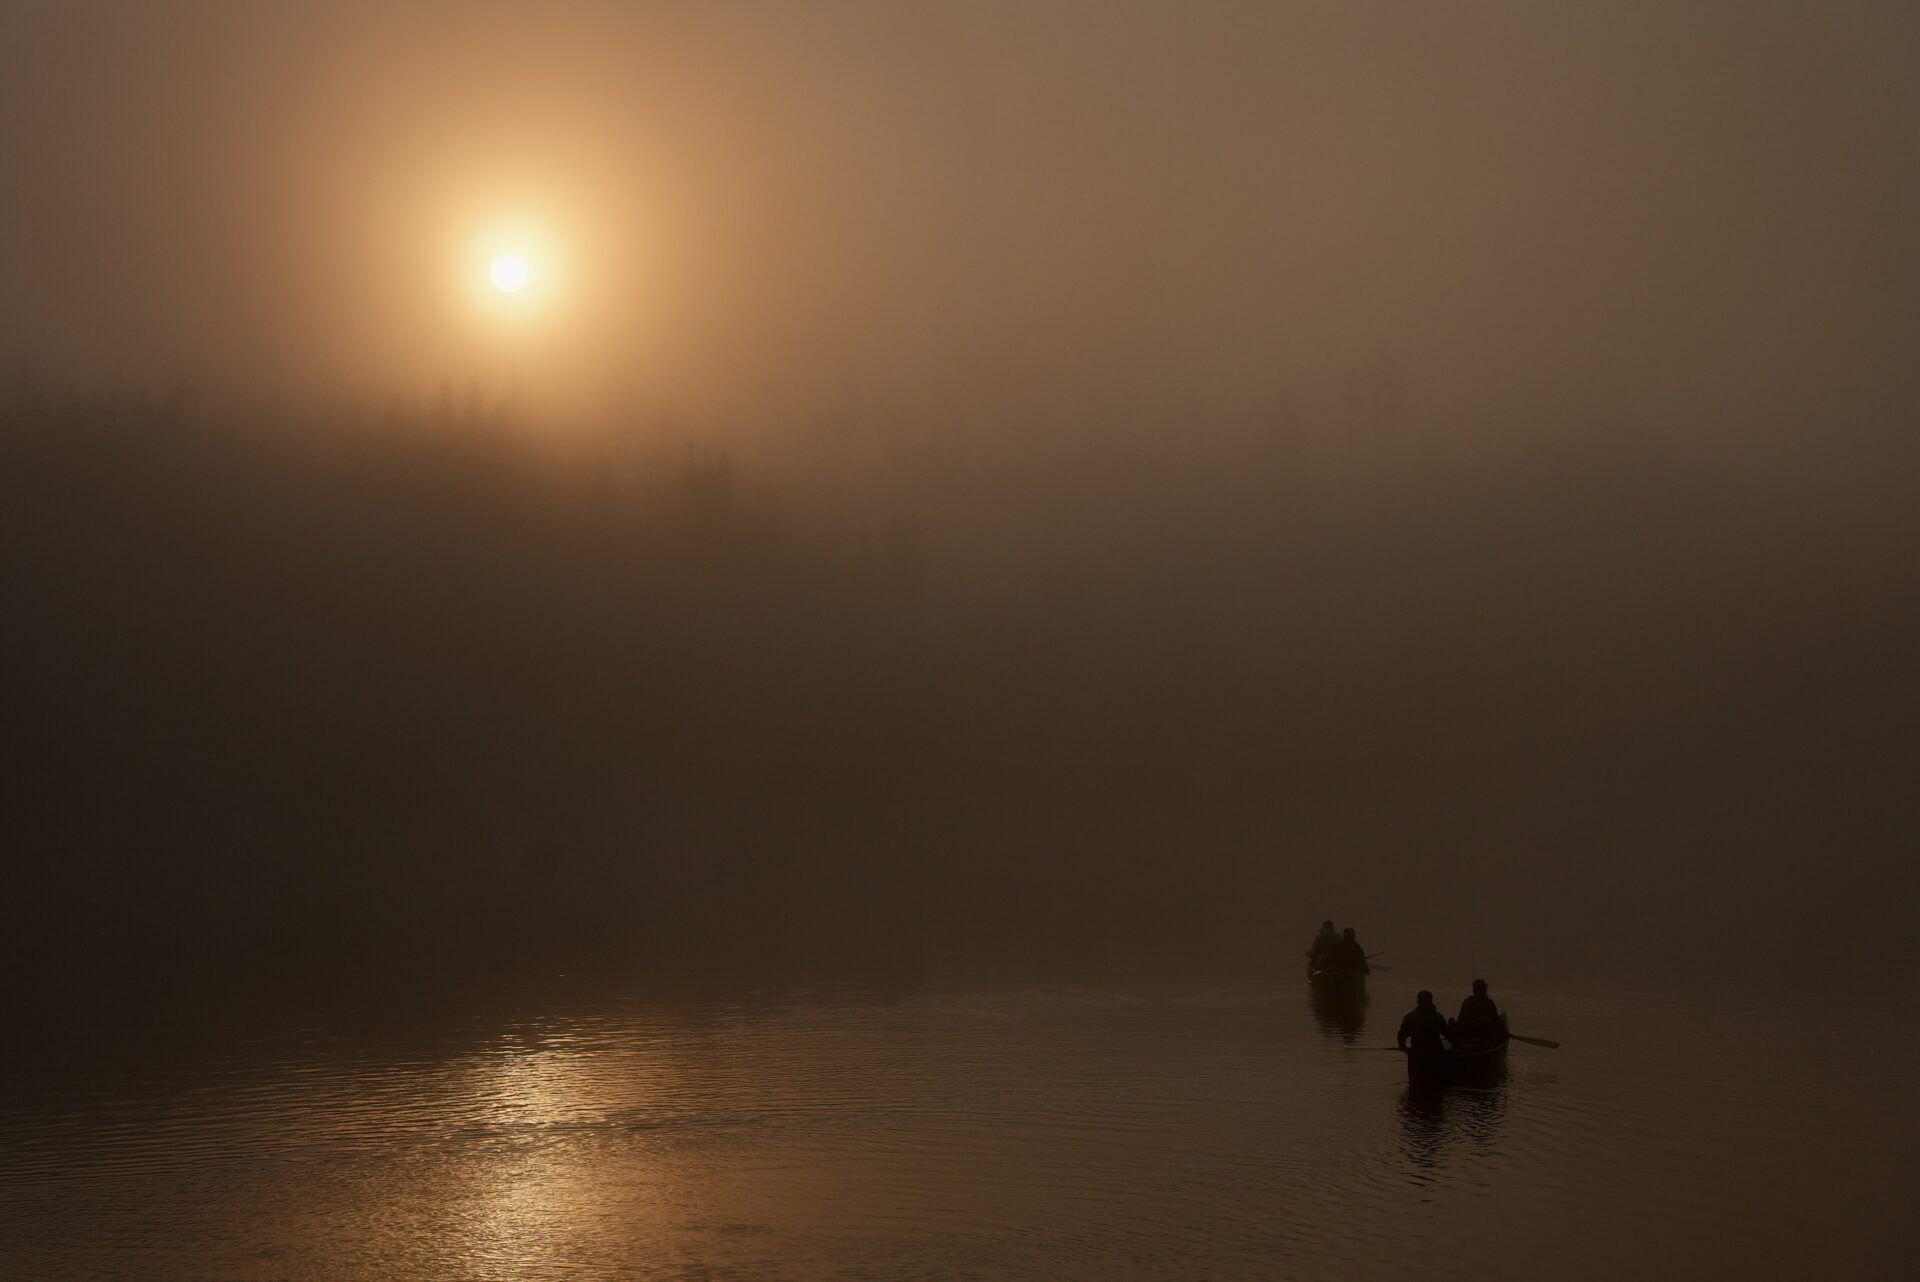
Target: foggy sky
point(1103, 463)
point(1702, 212)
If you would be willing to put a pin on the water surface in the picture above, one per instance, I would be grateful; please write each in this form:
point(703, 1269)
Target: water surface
point(983, 1129)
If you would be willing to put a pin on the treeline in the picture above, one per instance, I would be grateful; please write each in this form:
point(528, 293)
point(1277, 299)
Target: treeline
point(409, 683)
point(409, 675)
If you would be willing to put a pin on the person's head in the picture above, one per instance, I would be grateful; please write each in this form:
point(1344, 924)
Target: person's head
point(1479, 988)
point(1327, 924)
point(1424, 999)
point(1347, 934)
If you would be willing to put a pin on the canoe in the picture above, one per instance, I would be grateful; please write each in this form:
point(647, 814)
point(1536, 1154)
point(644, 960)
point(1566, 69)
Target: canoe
point(1466, 1060)
point(1333, 980)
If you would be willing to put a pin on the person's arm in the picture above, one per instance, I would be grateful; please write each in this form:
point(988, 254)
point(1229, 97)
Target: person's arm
point(1402, 1038)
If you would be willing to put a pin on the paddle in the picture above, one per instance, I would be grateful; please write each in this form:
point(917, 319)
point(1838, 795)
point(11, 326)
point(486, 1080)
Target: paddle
point(1512, 1037)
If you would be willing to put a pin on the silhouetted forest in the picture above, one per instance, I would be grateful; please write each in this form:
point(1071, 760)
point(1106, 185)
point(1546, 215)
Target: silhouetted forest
point(371, 685)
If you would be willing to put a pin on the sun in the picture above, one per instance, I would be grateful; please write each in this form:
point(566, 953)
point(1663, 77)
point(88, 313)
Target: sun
point(509, 273)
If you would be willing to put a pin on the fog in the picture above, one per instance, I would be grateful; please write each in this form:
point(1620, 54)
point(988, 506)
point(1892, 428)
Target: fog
point(984, 209)
point(1116, 478)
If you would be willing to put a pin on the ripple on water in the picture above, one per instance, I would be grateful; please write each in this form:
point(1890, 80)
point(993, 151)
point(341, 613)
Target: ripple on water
point(1057, 1132)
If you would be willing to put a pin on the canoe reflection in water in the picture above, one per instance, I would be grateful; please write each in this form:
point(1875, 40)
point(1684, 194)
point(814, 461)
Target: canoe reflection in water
point(1340, 1012)
point(1439, 1122)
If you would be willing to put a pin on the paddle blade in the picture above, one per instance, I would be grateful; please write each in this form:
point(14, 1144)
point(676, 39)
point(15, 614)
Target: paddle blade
point(1535, 1041)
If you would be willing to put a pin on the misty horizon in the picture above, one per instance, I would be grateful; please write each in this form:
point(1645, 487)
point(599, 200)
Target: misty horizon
point(1023, 684)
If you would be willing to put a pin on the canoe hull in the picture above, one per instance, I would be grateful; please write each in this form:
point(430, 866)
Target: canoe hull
point(1337, 982)
point(1468, 1062)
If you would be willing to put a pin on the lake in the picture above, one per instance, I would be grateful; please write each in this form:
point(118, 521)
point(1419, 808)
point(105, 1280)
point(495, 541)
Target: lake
point(974, 1126)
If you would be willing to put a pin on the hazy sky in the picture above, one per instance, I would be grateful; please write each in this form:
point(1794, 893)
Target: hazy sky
point(1631, 207)
point(1000, 282)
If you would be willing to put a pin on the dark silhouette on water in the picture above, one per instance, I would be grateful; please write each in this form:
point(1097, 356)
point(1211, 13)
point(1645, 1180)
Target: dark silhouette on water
point(1338, 969)
point(1423, 1029)
point(1439, 1050)
point(1479, 1016)
point(1324, 944)
point(1349, 955)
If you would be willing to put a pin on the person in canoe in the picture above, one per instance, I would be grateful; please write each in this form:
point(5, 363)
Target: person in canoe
point(1424, 1028)
point(1324, 944)
point(1479, 1017)
point(1348, 954)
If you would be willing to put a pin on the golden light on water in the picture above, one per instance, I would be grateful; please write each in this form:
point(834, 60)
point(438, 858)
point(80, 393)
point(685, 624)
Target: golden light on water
point(509, 273)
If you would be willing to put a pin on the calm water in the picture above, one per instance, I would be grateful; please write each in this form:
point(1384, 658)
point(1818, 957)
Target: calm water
point(966, 1130)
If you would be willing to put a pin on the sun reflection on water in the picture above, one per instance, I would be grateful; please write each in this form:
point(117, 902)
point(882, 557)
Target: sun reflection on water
point(547, 1106)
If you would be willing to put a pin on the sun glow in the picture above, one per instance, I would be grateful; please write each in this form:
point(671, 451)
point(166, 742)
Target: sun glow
point(509, 273)
point(513, 267)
